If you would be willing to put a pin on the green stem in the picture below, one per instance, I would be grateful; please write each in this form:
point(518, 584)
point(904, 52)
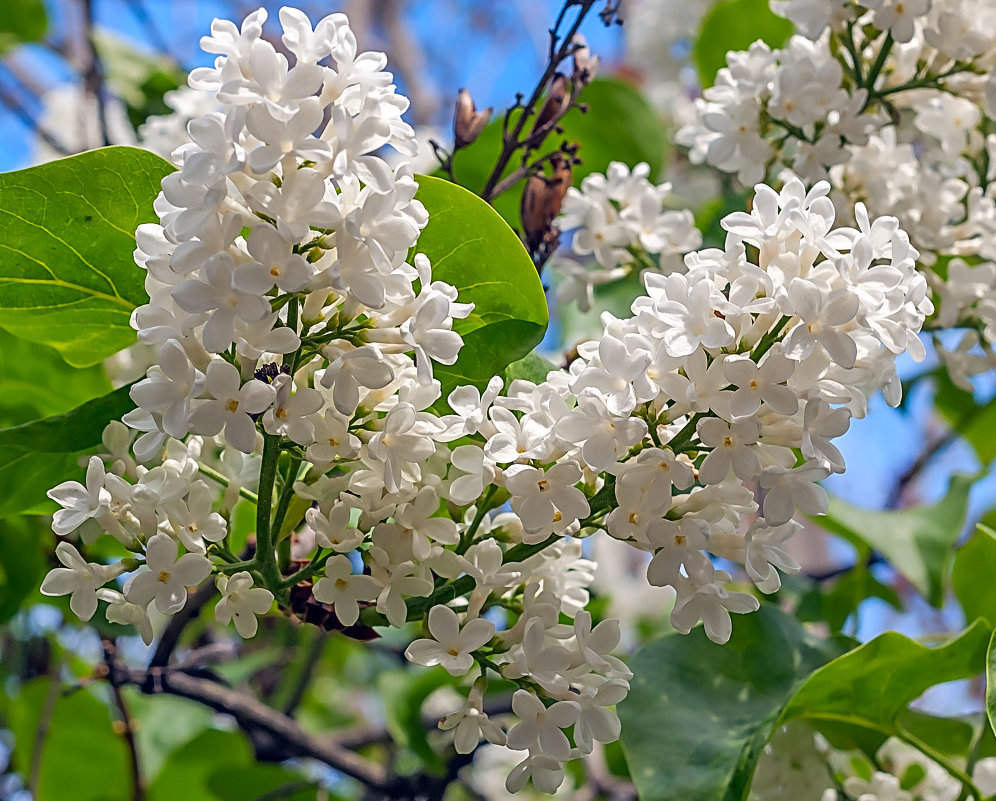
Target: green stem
point(265, 557)
point(853, 50)
point(418, 607)
point(286, 494)
point(467, 538)
point(680, 441)
point(769, 339)
point(215, 476)
point(876, 69)
point(318, 561)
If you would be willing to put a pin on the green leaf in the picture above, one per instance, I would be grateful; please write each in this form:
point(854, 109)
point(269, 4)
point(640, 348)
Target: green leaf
point(972, 575)
point(36, 456)
point(73, 431)
point(67, 234)
point(532, 367)
point(735, 25)
point(473, 249)
point(918, 542)
point(36, 382)
point(699, 714)
point(22, 561)
point(188, 770)
point(81, 757)
point(257, 781)
point(873, 684)
point(836, 604)
point(404, 693)
point(165, 722)
point(974, 422)
point(620, 126)
point(22, 21)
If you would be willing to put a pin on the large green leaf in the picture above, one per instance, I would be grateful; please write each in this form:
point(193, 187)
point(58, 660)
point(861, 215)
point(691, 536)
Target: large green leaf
point(187, 770)
point(67, 234)
point(473, 249)
point(972, 575)
point(975, 422)
point(22, 561)
point(81, 758)
point(36, 456)
point(164, 723)
point(22, 21)
point(219, 766)
point(620, 125)
point(699, 714)
point(871, 686)
point(735, 25)
point(36, 382)
point(918, 542)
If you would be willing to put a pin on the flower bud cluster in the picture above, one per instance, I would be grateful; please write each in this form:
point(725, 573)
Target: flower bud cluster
point(729, 379)
point(295, 371)
point(798, 763)
point(620, 219)
point(893, 103)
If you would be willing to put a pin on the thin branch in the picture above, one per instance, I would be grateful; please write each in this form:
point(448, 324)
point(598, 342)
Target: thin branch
point(253, 715)
point(14, 105)
point(152, 32)
point(922, 461)
point(305, 673)
point(44, 723)
point(170, 637)
point(127, 722)
point(560, 48)
point(286, 790)
point(93, 76)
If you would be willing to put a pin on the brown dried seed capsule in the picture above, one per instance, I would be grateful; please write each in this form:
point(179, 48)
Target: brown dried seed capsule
point(468, 122)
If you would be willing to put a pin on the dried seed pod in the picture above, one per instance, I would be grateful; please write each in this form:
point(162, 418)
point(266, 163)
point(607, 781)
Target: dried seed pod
point(541, 202)
point(556, 105)
point(304, 605)
point(468, 122)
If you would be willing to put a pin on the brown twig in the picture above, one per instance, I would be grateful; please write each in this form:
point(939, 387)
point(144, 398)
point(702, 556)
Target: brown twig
point(93, 76)
point(44, 723)
point(561, 47)
point(16, 107)
point(127, 722)
point(170, 637)
point(253, 715)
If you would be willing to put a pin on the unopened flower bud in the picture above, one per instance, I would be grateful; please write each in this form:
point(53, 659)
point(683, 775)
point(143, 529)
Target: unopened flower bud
point(585, 64)
point(468, 122)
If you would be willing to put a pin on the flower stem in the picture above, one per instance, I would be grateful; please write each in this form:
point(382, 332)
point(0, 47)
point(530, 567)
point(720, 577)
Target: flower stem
point(265, 557)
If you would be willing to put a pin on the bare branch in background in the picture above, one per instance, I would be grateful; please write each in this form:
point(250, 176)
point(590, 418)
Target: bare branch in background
point(561, 90)
point(253, 715)
point(93, 75)
point(127, 722)
point(21, 111)
point(408, 60)
point(156, 38)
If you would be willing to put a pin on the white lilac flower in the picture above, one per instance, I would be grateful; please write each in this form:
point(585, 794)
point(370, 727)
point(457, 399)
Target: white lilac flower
point(343, 588)
point(79, 579)
point(164, 578)
point(241, 602)
point(451, 646)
